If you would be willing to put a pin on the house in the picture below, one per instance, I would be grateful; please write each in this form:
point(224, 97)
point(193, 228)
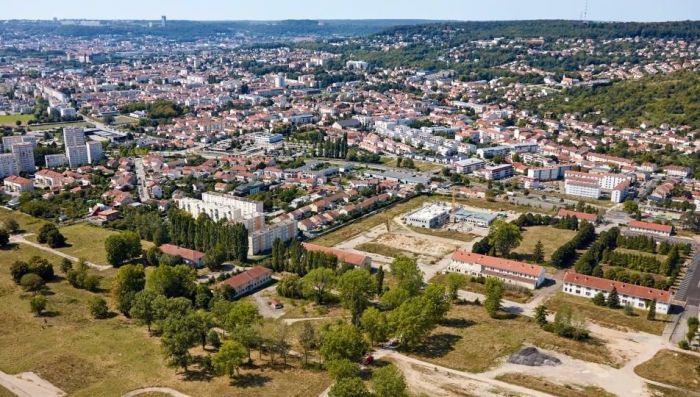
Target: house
point(191, 257)
point(650, 228)
point(108, 215)
point(581, 216)
point(17, 184)
point(248, 281)
point(352, 258)
point(511, 272)
point(635, 295)
point(50, 179)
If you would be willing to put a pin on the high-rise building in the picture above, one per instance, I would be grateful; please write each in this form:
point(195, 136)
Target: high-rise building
point(77, 156)
point(8, 165)
point(73, 137)
point(163, 21)
point(24, 155)
point(94, 150)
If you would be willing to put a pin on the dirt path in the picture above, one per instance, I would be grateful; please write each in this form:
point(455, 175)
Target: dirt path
point(164, 390)
point(29, 384)
point(22, 240)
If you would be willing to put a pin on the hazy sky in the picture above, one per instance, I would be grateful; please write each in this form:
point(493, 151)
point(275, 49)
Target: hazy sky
point(604, 10)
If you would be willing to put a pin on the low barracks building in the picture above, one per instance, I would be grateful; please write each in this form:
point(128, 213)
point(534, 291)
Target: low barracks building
point(637, 296)
point(511, 272)
point(650, 228)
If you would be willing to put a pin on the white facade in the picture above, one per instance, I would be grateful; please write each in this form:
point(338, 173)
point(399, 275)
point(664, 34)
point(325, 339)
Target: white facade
point(510, 272)
point(431, 216)
point(635, 295)
point(77, 156)
point(8, 165)
point(55, 160)
point(261, 240)
point(95, 152)
point(582, 189)
point(24, 155)
point(73, 137)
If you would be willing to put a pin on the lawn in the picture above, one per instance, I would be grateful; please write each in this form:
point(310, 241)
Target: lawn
point(55, 126)
point(11, 119)
point(672, 368)
point(381, 249)
point(543, 385)
point(420, 164)
point(550, 237)
point(660, 257)
point(613, 318)
point(511, 294)
point(87, 357)
point(88, 242)
point(27, 223)
point(469, 340)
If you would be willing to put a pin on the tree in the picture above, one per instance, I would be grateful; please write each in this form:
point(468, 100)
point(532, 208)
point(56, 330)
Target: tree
point(374, 324)
point(494, 294)
point(453, 282)
point(651, 314)
point(172, 281)
point(11, 225)
point(4, 237)
point(179, 335)
point(142, 307)
point(393, 298)
point(318, 282)
point(538, 253)
point(202, 296)
point(409, 277)
point(130, 280)
point(31, 282)
point(628, 310)
point(213, 339)
point(613, 300)
point(541, 315)
point(78, 277)
point(504, 236)
point(388, 381)
point(349, 387)
point(214, 258)
point(66, 265)
point(229, 358)
point(356, 288)
point(38, 304)
point(49, 234)
point(599, 299)
point(410, 323)
point(342, 341)
point(380, 278)
point(308, 340)
point(98, 307)
point(241, 321)
point(342, 369)
point(18, 269)
point(122, 247)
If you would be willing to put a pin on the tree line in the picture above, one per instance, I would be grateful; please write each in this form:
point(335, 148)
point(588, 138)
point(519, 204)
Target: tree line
point(204, 234)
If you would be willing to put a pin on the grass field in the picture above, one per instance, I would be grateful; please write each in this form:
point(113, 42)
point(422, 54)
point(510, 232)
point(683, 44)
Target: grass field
point(543, 385)
point(551, 238)
point(614, 318)
point(27, 223)
point(661, 258)
point(122, 119)
point(511, 294)
point(87, 357)
point(420, 165)
point(88, 242)
point(672, 368)
point(381, 249)
point(11, 119)
point(470, 340)
point(54, 126)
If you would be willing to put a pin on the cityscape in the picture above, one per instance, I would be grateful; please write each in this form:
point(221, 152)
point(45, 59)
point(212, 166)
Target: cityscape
point(388, 204)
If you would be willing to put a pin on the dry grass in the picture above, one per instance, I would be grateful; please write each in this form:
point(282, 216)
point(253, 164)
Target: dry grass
point(444, 233)
point(658, 391)
point(6, 393)
point(470, 340)
point(27, 223)
point(87, 357)
point(543, 385)
point(550, 237)
point(382, 249)
point(512, 294)
point(614, 318)
point(672, 368)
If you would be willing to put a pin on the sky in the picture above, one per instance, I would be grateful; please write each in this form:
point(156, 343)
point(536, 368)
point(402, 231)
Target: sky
point(600, 10)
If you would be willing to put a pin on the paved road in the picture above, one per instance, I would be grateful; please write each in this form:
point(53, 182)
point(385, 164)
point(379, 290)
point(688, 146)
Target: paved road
point(160, 390)
point(20, 239)
point(141, 179)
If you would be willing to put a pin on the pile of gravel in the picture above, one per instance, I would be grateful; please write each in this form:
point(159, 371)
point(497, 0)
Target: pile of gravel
point(532, 357)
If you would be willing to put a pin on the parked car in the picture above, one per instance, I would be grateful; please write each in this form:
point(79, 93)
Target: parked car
point(391, 344)
point(275, 304)
point(367, 359)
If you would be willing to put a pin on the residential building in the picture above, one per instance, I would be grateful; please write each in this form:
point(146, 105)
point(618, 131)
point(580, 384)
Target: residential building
point(261, 240)
point(49, 179)
point(581, 188)
point(650, 228)
point(17, 184)
point(511, 272)
point(94, 152)
point(191, 257)
point(496, 172)
point(581, 216)
point(248, 281)
point(346, 256)
point(637, 296)
point(8, 165)
point(467, 166)
point(55, 160)
point(24, 155)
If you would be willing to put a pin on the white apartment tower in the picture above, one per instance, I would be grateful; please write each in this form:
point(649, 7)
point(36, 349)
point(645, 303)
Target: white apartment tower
point(24, 155)
point(8, 165)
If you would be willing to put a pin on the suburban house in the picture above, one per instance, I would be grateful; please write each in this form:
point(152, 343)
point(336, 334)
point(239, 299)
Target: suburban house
point(248, 281)
point(511, 272)
point(635, 295)
point(581, 216)
point(353, 258)
point(650, 228)
point(191, 257)
point(16, 184)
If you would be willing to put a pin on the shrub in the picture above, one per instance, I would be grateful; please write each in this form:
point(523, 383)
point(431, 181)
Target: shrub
point(98, 307)
point(38, 304)
point(31, 282)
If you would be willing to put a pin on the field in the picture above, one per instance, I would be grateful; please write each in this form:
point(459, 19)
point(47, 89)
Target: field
point(87, 357)
point(420, 165)
point(511, 294)
point(673, 368)
point(444, 233)
point(87, 242)
point(385, 250)
point(470, 340)
point(10, 120)
point(416, 244)
point(121, 119)
point(661, 258)
point(27, 223)
point(613, 318)
point(551, 238)
point(54, 126)
point(543, 385)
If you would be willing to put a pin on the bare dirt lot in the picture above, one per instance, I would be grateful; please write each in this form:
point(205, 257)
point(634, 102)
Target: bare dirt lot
point(416, 245)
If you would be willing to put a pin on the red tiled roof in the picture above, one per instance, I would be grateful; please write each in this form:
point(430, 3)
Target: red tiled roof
point(353, 258)
point(185, 253)
point(498, 263)
point(636, 291)
point(650, 226)
point(18, 180)
point(241, 279)
point(578, 215)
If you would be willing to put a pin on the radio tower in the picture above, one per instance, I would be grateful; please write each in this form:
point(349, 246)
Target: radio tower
point(584, 14)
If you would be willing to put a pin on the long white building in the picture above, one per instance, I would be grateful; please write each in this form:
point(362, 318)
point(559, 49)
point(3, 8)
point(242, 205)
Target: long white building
point(637, 296)
point(511, 272)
